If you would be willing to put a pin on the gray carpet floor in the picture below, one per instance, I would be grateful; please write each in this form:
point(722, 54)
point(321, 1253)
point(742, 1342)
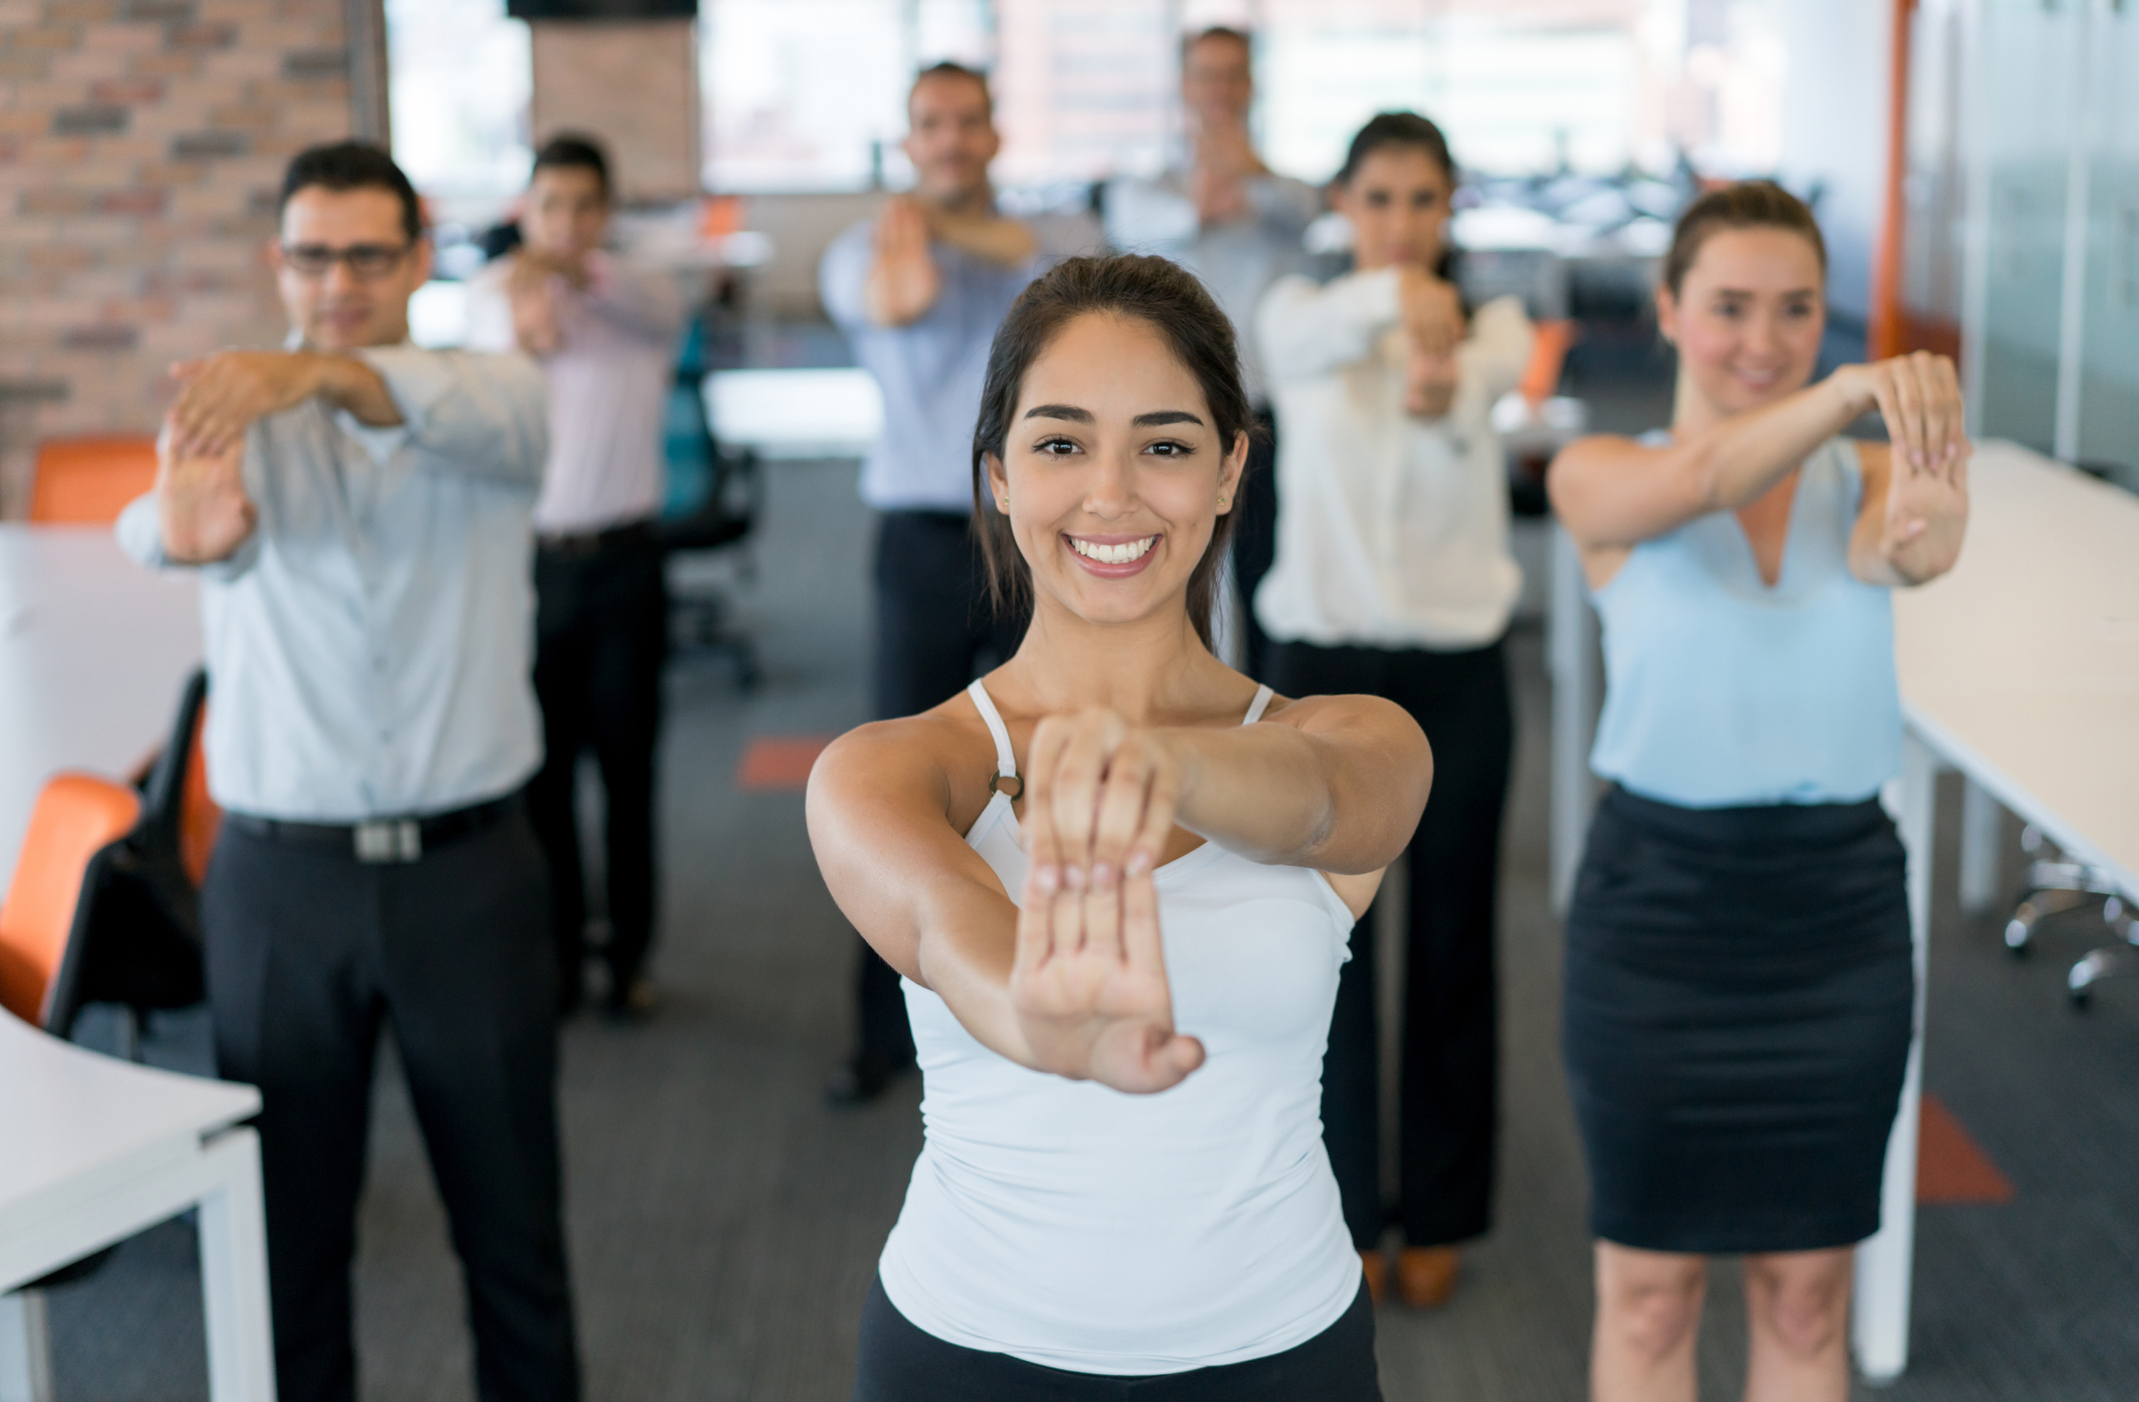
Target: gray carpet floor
point(725, 1223)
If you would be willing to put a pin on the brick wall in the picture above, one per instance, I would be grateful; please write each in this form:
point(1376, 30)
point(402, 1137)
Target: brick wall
point(141, 146)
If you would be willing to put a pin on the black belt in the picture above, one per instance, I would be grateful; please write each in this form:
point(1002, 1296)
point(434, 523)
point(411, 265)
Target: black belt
point(380, 840)
point(581, 543)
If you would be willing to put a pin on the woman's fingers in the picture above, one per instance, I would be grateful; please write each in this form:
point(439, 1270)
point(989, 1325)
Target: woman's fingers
point(1100, 915)
point(1035, 928)
point(1934, 407)
point(1949, 382)
point(1043, 847)
point(1079, 770)
point(1890, 413)
point(1909, 408)
point(1162, 799)
point(1122, 802)
point(1143, 942)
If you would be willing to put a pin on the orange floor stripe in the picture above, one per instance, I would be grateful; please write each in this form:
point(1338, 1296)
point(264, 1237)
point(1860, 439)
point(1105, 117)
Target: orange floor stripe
point(772, 763)
point(1950, 1166)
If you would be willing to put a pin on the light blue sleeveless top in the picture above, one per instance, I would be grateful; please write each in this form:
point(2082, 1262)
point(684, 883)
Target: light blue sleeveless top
point(1721, 692)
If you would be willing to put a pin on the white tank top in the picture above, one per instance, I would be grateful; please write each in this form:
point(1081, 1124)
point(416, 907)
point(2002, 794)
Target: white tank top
point(1082, 1228)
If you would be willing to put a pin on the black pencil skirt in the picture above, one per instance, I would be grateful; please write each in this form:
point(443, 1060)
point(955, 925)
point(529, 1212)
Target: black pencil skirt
point(1739, 997)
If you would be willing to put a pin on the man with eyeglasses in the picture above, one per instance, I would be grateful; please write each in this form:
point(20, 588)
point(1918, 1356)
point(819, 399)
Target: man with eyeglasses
point(358, 512)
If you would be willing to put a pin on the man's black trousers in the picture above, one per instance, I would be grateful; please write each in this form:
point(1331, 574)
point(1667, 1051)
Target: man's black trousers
point(1450, 1056)
point(309, 952)
point(601, 637)
point(935, 631)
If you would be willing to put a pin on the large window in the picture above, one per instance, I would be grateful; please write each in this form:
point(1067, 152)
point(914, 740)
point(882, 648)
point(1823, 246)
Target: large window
point(805, 95)
point(459, 74)
point(810, 94)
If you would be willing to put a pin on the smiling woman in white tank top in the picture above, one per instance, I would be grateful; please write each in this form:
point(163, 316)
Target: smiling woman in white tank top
point(1119, 880)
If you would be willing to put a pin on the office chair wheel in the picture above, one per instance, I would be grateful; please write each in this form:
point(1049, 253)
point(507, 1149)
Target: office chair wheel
point(2096, 966)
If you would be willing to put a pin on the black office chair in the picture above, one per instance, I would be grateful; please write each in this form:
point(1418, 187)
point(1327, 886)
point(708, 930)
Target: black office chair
point(140, 937)
point(714, 501)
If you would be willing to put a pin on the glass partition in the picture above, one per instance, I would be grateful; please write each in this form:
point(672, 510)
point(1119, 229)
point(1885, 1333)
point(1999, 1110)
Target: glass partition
point(2029, 48)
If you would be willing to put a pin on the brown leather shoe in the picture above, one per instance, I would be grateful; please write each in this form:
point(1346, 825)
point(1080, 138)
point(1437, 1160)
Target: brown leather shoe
point(1426, 1275)
point(1376, 1268)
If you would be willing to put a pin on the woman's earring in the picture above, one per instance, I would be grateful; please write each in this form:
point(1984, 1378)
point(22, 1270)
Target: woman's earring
point(1221, 503)
point(1003, 503)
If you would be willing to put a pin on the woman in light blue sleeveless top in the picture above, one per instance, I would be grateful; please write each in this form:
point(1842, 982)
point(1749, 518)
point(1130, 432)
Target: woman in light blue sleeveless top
point(1738, 980)
point(1112, 831)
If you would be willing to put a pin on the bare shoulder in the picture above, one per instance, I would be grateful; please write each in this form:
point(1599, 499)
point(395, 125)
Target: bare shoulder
point(936, 759)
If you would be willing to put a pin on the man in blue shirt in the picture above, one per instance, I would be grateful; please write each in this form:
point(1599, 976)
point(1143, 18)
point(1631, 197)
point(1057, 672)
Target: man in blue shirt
point(919, 290)
point(358, 511)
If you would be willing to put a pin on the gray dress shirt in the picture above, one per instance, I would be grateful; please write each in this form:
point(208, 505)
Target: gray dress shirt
point(370, 644)
point(1237, 260)
point(930, 370)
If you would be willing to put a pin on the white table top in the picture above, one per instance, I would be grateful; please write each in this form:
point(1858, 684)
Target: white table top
point(2023, 664)
point(78, 1121)
point(796, 413)
point(94, 651)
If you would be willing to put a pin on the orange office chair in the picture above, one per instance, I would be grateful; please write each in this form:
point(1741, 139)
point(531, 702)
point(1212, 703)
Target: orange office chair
point(181, 819)
point(78, 822)
point(88, 481)
point(1548, 353)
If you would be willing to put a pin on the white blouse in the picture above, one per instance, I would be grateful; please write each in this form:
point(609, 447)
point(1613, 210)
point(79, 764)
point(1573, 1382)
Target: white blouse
point(1392, 530)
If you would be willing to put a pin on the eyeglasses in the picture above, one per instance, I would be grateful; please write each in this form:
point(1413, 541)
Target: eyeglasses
point(367, 261)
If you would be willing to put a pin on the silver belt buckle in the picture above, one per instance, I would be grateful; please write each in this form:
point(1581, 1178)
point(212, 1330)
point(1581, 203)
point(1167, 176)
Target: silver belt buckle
point(389, 840)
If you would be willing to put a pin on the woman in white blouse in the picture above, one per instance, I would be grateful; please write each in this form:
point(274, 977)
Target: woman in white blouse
point(1393, 577)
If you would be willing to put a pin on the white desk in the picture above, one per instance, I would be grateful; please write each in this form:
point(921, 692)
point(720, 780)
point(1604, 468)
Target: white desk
point(94, 651)
point(796, 413)
point(97, 1149)
point(2021, 670)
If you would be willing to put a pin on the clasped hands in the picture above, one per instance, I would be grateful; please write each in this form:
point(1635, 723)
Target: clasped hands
point(1431, 313)
point(530, 286)
point(200, 490)
point(1919, 397)
point(1088, 982)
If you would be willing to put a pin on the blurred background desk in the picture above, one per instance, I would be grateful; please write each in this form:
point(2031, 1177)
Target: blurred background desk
point(94, 651)
point(800, 413)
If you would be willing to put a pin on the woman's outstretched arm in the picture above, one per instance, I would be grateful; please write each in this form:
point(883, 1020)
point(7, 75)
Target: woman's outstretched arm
point(1336, 783)
point(1613, 492)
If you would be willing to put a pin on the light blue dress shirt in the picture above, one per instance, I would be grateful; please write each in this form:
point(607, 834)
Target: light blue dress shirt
point(930, 370)
point(370, 644)
point(1722, 691)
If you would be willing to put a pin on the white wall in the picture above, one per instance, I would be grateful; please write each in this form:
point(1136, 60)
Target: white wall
point(1834, 129)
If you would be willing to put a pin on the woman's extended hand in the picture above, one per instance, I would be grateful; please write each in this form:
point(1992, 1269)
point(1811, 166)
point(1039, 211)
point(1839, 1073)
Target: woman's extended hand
point(1089, 979)
point(1431, 311)
point(1088, 985)
point(1919, 397)
point(1430, 383)
point(1926, 516)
